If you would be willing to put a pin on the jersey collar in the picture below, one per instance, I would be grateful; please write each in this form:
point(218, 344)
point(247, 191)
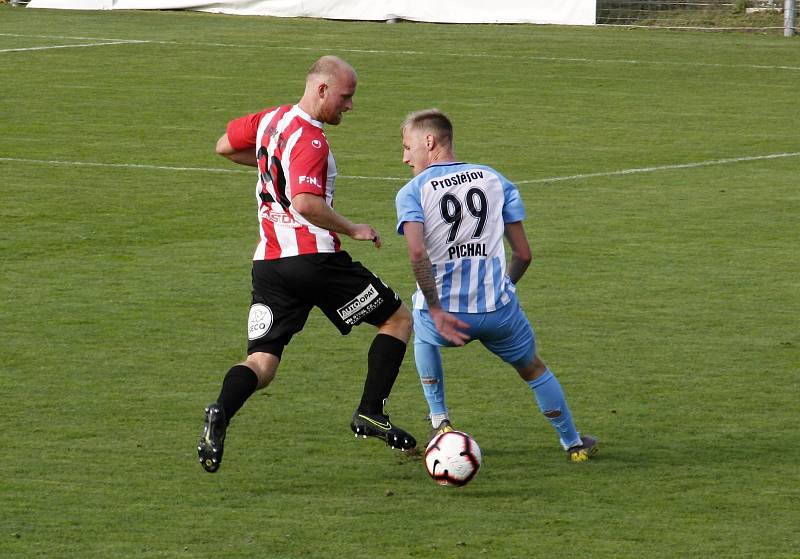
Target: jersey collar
point(305, 116)
point(444, 164)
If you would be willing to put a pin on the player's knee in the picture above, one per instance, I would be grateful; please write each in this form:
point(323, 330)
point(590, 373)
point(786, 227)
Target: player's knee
point(401, 323)
point(404, 315)
point(264, 365)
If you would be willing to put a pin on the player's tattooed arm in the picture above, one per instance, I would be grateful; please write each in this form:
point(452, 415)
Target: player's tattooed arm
point(421, 262)
point(423, 271)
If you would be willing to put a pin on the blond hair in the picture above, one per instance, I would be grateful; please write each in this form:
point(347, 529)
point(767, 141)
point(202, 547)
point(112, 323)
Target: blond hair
point(433, 121)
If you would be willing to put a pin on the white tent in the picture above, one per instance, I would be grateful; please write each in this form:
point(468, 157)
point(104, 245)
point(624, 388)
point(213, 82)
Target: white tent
point(564, 12)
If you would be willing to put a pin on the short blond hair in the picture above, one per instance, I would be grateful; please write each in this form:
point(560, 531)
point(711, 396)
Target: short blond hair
point(433, 121)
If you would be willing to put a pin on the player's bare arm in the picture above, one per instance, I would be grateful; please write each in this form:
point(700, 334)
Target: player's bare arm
point(242, 157)
point(449, 326)
point(315, 210)
point(520, 250)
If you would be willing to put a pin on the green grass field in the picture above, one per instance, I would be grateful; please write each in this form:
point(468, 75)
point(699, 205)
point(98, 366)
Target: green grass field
point(664, 292)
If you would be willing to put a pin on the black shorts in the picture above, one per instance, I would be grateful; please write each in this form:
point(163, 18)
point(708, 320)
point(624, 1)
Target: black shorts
point(286, 289)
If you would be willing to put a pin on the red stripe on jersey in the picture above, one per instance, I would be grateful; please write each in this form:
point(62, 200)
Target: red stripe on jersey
point(272, 250)
point(283, 137)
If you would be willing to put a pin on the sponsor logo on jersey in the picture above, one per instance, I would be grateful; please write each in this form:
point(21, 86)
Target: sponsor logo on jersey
point(278, 218)
point(314, 181)
point(259, 322)
point(316, 143)
point(361, 305)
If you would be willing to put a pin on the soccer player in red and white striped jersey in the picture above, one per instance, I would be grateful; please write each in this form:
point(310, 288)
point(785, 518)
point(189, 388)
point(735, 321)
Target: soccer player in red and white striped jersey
point(299, 263)
point(293, 157)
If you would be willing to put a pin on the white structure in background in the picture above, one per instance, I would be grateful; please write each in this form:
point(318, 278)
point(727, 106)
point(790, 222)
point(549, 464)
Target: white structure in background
point(561, 12)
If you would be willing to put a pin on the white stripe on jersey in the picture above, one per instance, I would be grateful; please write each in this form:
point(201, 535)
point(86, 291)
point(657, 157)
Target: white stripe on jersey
point(286, 235)
point(262, 126)
point(455, 288)
point(488, 279)
point(472, 305)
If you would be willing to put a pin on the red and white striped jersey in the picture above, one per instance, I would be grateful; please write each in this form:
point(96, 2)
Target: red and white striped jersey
point(293, 157)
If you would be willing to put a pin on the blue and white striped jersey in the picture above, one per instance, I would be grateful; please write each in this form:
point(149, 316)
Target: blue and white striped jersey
point(464, 209)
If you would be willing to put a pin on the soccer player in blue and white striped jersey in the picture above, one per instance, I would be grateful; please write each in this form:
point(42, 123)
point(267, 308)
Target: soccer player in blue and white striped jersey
point(454, 216)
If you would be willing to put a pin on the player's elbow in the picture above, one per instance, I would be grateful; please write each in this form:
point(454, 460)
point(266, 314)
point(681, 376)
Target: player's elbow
point(224, 147)
point(417, 254)
point(523, 256)
point(303, 204)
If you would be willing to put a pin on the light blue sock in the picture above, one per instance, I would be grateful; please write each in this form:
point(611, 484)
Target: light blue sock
point(553, 405)
point(431, 375)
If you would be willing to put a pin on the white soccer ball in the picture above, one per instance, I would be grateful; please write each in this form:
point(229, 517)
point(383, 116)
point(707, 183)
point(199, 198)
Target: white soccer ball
point(453, 458)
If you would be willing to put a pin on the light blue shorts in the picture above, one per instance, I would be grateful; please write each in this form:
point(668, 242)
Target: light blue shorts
point(505, 332)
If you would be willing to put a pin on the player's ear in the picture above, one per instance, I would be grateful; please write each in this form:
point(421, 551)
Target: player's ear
point(321, 89)
point(430, 141)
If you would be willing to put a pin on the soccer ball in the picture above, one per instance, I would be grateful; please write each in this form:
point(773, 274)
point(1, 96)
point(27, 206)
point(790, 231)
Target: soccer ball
point(453, 458)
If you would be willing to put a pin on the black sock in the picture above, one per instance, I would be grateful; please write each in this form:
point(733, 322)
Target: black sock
point(383, 364)
point(238, 385)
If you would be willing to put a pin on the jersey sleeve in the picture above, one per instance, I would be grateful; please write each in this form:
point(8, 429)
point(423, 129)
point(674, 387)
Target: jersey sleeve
point(409, 205)
point(308, 170)
point(513, 207)
point(242, 131)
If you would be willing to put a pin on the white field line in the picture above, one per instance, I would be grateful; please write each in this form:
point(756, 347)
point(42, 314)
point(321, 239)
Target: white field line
point(422, 53)
point(495, 56)
point(121, 42)
point(165, 167)
point(638, 170)
point(632, 171)
point(122, 165)
point(71, 38)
